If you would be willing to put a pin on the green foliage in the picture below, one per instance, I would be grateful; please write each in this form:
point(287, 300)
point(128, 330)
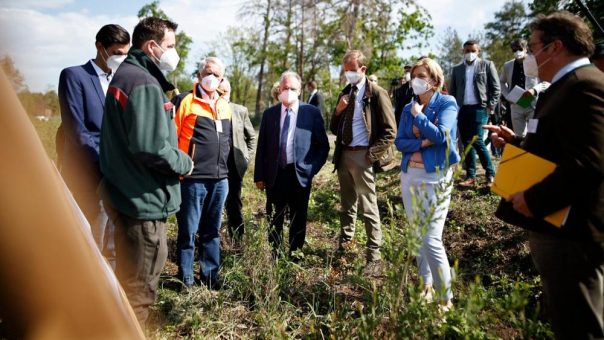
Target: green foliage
point(596, 7)
point(37, 103)
point(12, 73)
point(451, 51)
point(508, 26)
point(47, 131)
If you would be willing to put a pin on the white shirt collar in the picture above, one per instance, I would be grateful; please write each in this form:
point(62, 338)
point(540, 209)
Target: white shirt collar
point(313, 92)
point(206, 96)
point(294, 108)
point(360, 85)
point(99, 71)
point(570, 67)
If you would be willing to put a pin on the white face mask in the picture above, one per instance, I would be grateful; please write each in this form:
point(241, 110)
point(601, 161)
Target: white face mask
point(210, 83)
point(115, 61)
point(519, 54)
point(168, 60)
point(529, 64)
point(470, 57)
point(407, 76)
point(353, 77)
point(420, 86)
point(288, 97)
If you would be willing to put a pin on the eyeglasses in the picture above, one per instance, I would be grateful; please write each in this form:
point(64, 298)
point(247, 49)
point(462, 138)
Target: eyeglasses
point(530, 46)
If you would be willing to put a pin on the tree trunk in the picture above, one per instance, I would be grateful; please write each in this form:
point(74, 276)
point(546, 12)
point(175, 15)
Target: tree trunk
point(267, 24)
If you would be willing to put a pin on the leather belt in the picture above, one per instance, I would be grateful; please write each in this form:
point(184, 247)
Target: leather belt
point(417, 165)
point(355, 148)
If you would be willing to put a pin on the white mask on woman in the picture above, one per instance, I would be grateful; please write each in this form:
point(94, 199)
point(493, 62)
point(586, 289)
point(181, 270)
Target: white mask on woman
point(420, 86)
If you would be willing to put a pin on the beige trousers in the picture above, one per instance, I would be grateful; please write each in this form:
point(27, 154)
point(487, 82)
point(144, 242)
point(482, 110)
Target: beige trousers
point(357, 186)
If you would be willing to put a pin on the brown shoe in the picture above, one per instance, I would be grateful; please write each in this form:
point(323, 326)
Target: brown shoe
point(468, 183)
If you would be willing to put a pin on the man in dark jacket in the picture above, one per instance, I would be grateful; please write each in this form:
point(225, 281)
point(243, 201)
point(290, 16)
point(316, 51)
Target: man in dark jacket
point(82, 92)
point(140, 160)
point(475, 86)
point(243, 139)
point(568, 130)
point(203, 127)
point(292, 148)
point(364, 125)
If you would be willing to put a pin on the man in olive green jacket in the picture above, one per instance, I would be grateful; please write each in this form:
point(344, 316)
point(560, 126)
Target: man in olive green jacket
point(365, 128)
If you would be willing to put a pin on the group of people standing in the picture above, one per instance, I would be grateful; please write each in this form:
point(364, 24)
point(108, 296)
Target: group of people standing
point(151, 157)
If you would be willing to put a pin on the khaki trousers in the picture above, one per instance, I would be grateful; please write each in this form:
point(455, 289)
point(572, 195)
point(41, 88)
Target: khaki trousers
point(357, 186)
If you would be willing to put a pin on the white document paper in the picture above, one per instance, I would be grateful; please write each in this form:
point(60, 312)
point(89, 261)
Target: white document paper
point(515, 94)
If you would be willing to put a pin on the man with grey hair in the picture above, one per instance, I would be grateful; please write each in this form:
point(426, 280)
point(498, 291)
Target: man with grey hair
point(285, 171)
point(242, 145)
point(203, 128)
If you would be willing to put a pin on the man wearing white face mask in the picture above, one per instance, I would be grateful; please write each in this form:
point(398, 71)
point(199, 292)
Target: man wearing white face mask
point(292, 148)
point(475, 86)
point(568, 130)
point(82, 92)
point(203, 127)
point(364, 125)
point(513, 75)
point(140, 160)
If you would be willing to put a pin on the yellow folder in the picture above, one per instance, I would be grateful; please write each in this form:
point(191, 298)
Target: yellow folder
point(519, 170)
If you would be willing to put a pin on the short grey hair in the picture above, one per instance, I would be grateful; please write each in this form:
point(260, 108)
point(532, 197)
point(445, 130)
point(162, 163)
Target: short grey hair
point(212, 60)
point(290, 74)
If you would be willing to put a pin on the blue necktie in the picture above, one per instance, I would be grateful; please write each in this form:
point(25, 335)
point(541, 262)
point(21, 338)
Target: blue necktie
point(283, 140)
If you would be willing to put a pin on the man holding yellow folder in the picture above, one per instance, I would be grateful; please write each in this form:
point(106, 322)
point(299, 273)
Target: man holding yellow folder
point(568, 130)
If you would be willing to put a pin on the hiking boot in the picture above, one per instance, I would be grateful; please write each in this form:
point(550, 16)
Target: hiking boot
point(489, 181)
point(373, 268)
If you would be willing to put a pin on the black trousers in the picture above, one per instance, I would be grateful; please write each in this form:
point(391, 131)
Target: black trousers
point(234, 206)
point(572, 274)
point(287, 193)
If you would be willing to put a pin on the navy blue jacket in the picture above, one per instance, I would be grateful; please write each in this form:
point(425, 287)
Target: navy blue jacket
point(310, 145)
point(82, 101)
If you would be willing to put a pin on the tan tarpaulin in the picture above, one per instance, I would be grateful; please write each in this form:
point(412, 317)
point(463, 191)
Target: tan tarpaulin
point(54, 284)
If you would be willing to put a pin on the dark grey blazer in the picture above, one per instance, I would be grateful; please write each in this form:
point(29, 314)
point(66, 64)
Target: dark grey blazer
point(486, 83)
point(243, 137)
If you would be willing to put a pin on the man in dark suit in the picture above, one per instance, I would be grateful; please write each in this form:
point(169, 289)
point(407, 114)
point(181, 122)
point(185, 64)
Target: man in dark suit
point(315, 98)
point(568, 130)
point(292, 148)
point(402, 95)
point(475, 86)
point(82, 92)
point(243, 138)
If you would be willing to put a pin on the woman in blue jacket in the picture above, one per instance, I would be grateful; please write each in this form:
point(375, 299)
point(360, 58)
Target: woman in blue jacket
point(427, 137)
